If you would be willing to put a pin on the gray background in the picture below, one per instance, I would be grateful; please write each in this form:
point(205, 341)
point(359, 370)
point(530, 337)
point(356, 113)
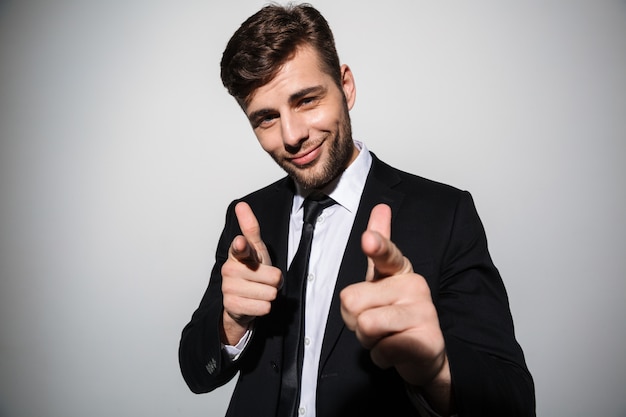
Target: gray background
point(120, 150)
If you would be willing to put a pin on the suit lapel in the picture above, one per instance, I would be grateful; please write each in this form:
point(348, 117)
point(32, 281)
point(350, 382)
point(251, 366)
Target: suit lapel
point(378, 189)
point(273, 213)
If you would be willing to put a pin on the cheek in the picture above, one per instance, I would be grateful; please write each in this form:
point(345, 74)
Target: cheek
point(322, 120)
point(316, 118)
point(269, 141)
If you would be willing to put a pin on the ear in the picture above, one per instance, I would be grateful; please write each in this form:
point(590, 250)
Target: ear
point(348, 85)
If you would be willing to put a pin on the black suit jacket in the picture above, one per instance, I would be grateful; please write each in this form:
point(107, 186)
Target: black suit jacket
point(438, 230)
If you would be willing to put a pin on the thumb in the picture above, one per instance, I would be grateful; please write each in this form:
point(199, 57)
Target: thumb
point(253, 249)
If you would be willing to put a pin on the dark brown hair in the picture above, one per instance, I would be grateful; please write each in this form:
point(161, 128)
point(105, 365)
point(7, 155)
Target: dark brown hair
point(270, 37)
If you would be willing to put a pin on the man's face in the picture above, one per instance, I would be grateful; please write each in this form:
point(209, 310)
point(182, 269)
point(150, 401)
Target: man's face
point(301, 119)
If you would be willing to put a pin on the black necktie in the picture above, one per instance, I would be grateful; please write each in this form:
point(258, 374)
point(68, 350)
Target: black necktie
point(293, 349)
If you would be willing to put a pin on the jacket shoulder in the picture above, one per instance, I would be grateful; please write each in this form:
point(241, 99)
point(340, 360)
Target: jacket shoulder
point(415, 186)
point(261, 195)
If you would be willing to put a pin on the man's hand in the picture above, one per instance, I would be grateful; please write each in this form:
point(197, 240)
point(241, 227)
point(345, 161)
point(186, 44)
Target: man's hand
point(249, 281)
point(393, 314)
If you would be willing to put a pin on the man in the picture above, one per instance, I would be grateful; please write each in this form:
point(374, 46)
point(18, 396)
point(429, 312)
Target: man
point(404, 311)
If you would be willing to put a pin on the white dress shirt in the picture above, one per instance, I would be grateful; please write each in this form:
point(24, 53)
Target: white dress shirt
point(329, 243)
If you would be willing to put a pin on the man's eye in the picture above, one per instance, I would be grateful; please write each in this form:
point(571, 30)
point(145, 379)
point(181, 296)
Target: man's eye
point(307, 100)
point(266, 120)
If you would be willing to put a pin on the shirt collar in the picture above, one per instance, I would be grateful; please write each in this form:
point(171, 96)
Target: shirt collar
point(346, 190)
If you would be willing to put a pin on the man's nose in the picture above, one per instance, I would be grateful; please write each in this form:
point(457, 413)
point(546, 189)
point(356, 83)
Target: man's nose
point(294, 130)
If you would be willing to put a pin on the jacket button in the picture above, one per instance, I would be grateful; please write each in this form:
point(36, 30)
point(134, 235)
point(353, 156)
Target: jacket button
point(274, 366)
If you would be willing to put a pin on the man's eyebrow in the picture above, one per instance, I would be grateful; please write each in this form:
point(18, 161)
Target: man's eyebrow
point(317, 89)
point(261, 113)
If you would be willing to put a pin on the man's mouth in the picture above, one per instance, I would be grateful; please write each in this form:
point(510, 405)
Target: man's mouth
point(307, 157)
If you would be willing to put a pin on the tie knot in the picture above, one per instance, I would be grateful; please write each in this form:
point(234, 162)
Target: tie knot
point(313, 206)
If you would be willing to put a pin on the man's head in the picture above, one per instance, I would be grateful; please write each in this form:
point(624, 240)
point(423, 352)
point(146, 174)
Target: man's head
point(267, 39)
point(282, 68)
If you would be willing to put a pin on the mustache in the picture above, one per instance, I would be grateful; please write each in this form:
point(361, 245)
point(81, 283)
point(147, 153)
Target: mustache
point(305, 146)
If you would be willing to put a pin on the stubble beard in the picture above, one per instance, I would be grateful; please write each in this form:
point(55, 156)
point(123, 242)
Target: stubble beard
point(339, 155)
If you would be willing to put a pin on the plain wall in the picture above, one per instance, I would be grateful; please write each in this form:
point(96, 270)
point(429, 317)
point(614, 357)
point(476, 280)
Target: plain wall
point(120, 151)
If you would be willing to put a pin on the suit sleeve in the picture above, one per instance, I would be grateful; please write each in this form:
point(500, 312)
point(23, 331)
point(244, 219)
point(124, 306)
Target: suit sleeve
point(203, 363)
point(489, 374)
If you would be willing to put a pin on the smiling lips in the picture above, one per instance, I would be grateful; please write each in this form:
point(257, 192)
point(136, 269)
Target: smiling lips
point(308, 157)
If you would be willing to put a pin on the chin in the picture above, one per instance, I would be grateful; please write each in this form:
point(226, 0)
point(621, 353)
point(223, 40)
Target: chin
point(310, 182)
point(315, 180)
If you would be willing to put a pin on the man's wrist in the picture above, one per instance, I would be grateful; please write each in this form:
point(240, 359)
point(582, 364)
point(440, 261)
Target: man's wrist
point(438, 392)
point(231, 331)
point(234, 351)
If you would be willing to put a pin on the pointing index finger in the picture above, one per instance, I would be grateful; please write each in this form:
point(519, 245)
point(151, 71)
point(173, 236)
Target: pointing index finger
point(251, 231)
point(384, 257)
point(380, 220)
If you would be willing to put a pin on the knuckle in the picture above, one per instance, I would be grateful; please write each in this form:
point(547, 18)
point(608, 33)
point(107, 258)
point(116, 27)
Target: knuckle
point(232, 306)
point(272, 294)
point(228, 287)
point(228, 268)
point(348, 299)
point(264, 308)
point(364, 324)
point(252, 231)
point(265, 293)
point(369, 324)
point(274, 277)
point(419, 284)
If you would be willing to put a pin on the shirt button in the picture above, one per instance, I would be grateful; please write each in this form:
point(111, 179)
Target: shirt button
point(302, 411)
point(310, 277)
point(320, 219)
point(307, 341)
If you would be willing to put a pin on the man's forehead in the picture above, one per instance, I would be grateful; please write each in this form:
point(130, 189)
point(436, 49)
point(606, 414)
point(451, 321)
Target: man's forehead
point(304, 61)
point(301, 73)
